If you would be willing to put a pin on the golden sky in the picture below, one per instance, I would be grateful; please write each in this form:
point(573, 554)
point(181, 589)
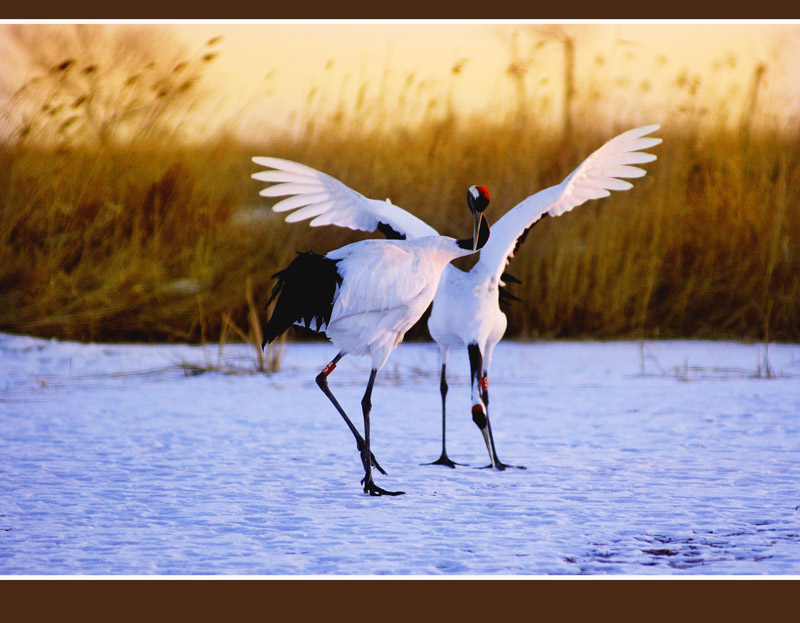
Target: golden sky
point(266, 71)
point(337, 58)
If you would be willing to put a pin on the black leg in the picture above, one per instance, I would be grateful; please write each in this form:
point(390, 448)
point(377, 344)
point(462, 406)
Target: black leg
point(366, 406)
point(444, 459)
point(322, 381)
point(480, 411)
point(497, 463)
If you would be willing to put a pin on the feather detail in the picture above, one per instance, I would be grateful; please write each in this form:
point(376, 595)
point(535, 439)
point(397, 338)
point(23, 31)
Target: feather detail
point(330, 202)
point(594, 178)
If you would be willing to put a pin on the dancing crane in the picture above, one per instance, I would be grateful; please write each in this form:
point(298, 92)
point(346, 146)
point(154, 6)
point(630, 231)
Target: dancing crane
point(466, 310)
point(364, 297)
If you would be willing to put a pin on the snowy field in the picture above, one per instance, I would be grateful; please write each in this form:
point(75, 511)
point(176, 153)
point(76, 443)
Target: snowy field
point(657, 458)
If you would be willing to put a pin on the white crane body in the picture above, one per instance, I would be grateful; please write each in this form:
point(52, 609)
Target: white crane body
point(466, 311)
point(365, 296)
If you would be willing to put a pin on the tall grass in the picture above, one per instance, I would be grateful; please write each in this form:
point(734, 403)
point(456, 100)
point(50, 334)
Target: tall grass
point(156, 241)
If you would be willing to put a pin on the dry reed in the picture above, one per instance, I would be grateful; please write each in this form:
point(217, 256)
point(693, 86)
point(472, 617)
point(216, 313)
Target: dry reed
point(146, 240)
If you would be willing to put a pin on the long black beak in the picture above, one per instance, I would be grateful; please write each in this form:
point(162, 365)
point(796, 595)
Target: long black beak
point(477, 217)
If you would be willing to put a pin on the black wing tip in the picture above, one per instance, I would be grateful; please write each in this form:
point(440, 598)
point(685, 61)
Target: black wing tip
point(305, 292)
point(521, 238)
point(390, 232)
point(506, 297)
point(509, 278)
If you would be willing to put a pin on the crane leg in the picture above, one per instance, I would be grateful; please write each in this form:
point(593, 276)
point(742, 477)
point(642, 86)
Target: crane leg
point(480, 408)
point(322, 381)
point(366, 406)
point(444, 459)
point(485, 398)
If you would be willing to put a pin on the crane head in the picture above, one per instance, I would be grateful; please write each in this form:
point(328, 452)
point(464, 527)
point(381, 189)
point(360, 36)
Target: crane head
point(478, 200)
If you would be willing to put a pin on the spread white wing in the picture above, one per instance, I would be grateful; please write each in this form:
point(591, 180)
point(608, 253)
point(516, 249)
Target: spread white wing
point(593, 179)
point(313, 194)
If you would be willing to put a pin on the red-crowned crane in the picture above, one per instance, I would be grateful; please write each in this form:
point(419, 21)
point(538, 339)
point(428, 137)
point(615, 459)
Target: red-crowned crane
point(364, 297)
point(466, 310)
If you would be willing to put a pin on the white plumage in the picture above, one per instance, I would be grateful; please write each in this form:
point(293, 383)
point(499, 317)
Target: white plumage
point(594, 178)
point(365, 295)
point(387, 286)
point(331, 202)
point(466, 310)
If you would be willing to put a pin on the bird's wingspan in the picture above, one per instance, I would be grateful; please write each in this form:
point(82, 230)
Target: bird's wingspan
point(593, 179)
point(313, 194)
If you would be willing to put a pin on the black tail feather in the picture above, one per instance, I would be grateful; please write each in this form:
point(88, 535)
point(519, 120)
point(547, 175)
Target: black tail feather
point(506, 297)
point(304, 292)
point(509, 278)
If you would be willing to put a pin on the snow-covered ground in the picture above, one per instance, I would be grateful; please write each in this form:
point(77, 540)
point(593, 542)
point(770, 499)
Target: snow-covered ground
point(654, 458)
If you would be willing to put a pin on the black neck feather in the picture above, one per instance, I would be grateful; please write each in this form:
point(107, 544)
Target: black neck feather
point(483, 237)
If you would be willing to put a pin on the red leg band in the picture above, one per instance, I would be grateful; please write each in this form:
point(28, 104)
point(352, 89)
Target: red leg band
point(329, 368)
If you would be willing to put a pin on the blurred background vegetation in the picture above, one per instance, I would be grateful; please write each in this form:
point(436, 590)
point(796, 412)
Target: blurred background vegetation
point(117, 223)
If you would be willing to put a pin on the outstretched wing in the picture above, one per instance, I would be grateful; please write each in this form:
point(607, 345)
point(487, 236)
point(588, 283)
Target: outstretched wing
point(313, 194)
point(593, 179)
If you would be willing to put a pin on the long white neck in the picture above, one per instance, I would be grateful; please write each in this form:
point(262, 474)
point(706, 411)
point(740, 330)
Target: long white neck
point(442, 247)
